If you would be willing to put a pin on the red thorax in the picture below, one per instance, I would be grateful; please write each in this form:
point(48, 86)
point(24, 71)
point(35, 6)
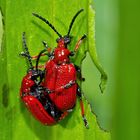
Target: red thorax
point(61, 53)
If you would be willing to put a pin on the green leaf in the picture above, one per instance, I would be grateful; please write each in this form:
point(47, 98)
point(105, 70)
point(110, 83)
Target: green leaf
point(16, 122)
point(92, 49)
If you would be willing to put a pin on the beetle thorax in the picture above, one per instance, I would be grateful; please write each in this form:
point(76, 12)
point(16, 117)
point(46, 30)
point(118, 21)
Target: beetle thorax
point(61, 53)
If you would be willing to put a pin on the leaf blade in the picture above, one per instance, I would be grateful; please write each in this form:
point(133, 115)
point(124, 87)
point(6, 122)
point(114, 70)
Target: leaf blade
point(16, 114)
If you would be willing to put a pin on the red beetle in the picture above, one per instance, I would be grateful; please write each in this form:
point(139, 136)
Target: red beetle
point(50, 94)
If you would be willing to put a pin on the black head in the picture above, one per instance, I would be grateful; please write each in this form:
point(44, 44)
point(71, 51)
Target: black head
point(67, 39)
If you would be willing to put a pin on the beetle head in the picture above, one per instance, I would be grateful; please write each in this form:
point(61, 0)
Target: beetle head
point(64, 40)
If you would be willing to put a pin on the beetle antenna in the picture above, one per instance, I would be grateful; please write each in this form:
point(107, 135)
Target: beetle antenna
point(47, 22)
point(71, 24)
point(26, 53)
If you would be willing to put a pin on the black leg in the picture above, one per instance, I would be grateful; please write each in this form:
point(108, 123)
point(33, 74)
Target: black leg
point(39, 93)
point(79, 74)
point(69, 84)
point(50, 107)
point(41, 74)
point(66, 86)
point(82, 107)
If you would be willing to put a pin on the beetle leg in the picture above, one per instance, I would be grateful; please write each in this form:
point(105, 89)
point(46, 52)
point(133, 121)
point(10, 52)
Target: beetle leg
point(69, 84)
point(46, 46)
point(39, 92)
point(66, 86)
point(82, 107)
point(37, 76)
point(48, 49)
point(43, 54)
point(72, 53)
point(36, 56)
point(79, 42)
point(78, 69)
point(50, 107)
point(40, 66)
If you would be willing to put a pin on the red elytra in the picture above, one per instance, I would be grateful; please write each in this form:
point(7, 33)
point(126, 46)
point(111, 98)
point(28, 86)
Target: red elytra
point(59, 72)
point(33, 104)
point(51, 97)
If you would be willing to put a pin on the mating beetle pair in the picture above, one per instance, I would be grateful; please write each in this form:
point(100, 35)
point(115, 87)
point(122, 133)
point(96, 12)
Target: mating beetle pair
point(50, 94)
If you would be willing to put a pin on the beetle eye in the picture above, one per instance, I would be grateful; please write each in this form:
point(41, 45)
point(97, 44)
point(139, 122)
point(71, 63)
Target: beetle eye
point(67, 39)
